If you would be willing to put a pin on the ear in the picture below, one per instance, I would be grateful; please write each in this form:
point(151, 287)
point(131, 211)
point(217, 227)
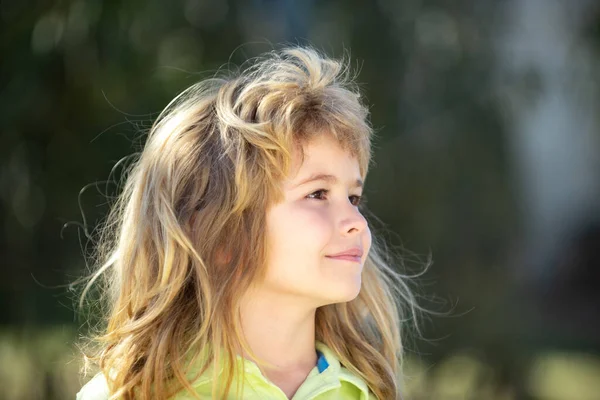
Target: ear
point(222, 256)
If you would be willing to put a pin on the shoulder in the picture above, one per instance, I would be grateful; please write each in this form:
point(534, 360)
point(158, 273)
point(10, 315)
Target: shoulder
point(95, 389)
point(351, 386)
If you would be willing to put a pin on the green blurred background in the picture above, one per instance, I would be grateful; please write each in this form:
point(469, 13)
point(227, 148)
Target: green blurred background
point(487, 158)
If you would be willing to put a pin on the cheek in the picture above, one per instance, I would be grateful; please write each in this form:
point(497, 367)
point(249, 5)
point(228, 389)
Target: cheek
point(298, 233)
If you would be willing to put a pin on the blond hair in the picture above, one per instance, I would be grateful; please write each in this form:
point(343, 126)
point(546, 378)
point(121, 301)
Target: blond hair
point(211, 166)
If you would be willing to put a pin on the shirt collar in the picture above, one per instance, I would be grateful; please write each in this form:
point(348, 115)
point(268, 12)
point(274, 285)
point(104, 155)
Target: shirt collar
point(339, 370)
point(332, 373)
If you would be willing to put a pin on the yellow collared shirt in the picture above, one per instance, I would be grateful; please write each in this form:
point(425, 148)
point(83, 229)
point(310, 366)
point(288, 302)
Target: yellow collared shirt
point(328, 380)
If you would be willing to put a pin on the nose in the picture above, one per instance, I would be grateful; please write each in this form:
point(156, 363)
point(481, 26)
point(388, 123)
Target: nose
point(353, 221)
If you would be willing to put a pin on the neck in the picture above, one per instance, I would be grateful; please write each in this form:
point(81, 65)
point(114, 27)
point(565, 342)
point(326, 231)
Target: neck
point(281, 331)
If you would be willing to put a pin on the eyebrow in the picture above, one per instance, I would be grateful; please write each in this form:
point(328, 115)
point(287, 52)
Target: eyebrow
point(331, 179)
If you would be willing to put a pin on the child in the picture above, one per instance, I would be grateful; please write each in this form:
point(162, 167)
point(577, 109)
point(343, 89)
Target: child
point(237, 261)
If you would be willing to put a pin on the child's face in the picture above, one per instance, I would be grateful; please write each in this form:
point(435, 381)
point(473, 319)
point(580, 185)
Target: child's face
point(316, 220)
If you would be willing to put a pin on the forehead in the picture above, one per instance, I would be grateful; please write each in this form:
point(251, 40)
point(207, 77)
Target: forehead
point(323, 155)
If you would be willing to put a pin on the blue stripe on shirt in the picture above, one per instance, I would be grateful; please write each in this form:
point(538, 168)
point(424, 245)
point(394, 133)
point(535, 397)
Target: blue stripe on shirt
point(322, 363)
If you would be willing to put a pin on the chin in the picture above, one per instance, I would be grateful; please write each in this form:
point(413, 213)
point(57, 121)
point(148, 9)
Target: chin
point(339, 293)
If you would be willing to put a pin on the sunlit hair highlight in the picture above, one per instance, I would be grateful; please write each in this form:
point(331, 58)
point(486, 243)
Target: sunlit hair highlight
point(186, 236)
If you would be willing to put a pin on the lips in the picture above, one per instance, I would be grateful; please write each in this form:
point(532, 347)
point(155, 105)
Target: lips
point(353, 254)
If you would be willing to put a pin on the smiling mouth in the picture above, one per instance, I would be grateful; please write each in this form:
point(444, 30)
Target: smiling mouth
point(356, 259)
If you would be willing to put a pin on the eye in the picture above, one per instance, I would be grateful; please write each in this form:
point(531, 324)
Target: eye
point(319, 194)
point(355, 200)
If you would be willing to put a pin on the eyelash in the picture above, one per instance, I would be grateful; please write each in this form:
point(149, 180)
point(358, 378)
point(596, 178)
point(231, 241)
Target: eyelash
point(325, 191)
